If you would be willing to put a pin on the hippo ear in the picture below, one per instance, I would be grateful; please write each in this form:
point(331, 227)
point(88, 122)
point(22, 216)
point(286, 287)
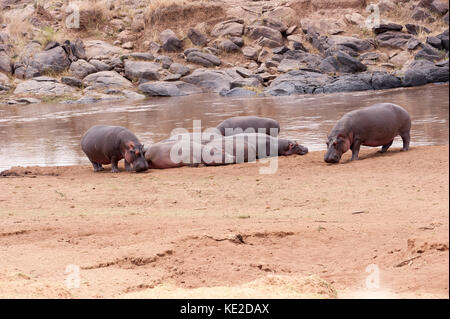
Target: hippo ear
point(290, 146)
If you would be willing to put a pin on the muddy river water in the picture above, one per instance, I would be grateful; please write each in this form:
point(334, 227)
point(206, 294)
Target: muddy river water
point(49, 134)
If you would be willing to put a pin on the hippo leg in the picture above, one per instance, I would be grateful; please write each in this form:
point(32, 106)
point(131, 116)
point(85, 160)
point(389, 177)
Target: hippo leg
point(386, 147)
point(406, 138)
point(97, 167)
point(355, 149)
point(128, 166)
point(114, 168)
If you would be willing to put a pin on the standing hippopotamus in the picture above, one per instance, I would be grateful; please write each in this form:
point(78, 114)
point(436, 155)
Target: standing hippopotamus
point(234, 125)
point(109, 144)
point(263, 143)
point(375, 125)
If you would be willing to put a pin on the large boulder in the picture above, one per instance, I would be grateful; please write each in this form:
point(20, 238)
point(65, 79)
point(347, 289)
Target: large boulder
point(106, 79)
point(95, 48)
point(429, 53)
point(297, 82)
point(344, 63)
point(204, 59)
point(161, 88)
point(349, 83)
point(137, 70)
point(170, 42)
point(421, 72)
point(211, 80)
point(258, 32)
point(82, 68)
point(197, 37)
point(5, 62)
point(43, 86)
point(392, 39)
point(384, 27)
point(232, 28)
point(54, 60)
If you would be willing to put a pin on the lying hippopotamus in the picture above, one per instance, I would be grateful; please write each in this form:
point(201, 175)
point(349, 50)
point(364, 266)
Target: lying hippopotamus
point(260, 144)
point(248, 124)
point(375, 125)
point(109, 144)
point(178, 153)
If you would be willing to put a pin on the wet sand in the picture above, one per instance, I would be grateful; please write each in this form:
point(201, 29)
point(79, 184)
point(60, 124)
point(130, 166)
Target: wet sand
point(310, 230)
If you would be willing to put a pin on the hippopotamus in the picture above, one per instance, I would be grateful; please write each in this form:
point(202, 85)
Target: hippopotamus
point(202, 138)
point(109, 144)
point(262, 145)
point(249, 124)
point(375, 125)
point(178, 153)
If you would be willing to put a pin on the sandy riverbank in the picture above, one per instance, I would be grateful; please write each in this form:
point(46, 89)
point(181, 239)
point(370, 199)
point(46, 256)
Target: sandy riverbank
point(310, 230)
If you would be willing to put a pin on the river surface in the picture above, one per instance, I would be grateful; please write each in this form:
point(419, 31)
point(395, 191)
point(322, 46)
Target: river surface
point(50, 134)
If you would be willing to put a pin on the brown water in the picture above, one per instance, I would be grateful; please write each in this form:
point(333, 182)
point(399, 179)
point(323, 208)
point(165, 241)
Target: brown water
point(49, 134)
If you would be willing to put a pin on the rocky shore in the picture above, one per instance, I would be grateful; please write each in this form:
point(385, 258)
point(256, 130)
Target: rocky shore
point(275, 52)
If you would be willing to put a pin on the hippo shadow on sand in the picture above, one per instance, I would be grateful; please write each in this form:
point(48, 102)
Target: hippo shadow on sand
point(376, 154)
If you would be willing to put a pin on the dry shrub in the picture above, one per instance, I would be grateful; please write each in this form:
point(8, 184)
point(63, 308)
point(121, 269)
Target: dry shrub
point(180, 14)
point(94, 14)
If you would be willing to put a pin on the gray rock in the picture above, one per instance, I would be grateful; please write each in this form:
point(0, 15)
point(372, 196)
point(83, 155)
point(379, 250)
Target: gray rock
point(412, 44)
point(384, 27)
point(205, 59)
point(210, 80)
point(439, 6)
point(51, 45)
point(280, 50)
point(131, 95)
point(100, 65)
point(421, 72)
point(169, 88)
point(137, 70)
point(98, 98)
point(142, 56)
point(228, 46)
point(169, 77)
point(54, 60)
point(297, 82)
point(71, 81)
point(196, 37)
point(445, 18)
point(342, 62)
point(82, 68)
point(237, 92)
point(256, 32)
point(396, 40)
point(5, 62)
point(250, 52)
point(97, 48)
point(428, 53)
point(415, 28)
point(384, 80)
point(180, 69)
point(349, 83)
point(248, 82)
point(189, 50)
point(106, 79)
point(287, 65)
point(170, 42)
point(233, 28)
point(238, 41)
point(78, 50)
point(435, 42)
point(43, 86)
point(165, 61)
point(444, 39)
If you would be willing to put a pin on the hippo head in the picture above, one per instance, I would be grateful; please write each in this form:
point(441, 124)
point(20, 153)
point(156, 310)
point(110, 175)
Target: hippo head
point(293, 148)
point(336, 146)
point(134, 154)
